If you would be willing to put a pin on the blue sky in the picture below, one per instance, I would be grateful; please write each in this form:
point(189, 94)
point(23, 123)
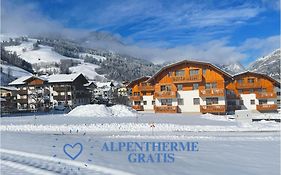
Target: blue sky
point(160, 29)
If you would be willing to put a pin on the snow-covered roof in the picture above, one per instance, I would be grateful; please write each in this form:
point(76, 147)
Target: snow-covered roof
point(20, 81)
point(8, 88)
point(104, 84)
point(57, 78)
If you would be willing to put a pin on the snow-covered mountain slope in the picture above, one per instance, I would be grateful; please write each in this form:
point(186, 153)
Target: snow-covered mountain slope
point(232, 68)
point(87, 69)
point(43, 54)
point(13, 71)
point(269, 65)
point(9, 73)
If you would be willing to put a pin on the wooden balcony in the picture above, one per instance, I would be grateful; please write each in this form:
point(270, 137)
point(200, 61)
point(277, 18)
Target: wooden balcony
point(184, 79)
point(22, 101)
point(211, 93)
point(166, 109)
point(61, 89)
point(62, 97)
point(267, 107)
point(248, 85)
point(22, 92)
point(137, 107)
point(261, 95)
point(146, 88)
point(212, 108)
point(165, 94)
point(136, 98)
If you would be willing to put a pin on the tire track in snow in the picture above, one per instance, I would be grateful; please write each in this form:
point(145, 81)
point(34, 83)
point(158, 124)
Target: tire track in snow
point(25, 168)
point(94, 168)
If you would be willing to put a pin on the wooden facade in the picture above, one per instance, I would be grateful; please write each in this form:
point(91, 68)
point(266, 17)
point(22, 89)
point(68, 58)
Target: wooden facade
point(211, 90)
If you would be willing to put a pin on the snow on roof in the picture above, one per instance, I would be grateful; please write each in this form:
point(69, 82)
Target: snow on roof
point(104, 84)
point(20, 80)
point(56, 78)
point(8, 88)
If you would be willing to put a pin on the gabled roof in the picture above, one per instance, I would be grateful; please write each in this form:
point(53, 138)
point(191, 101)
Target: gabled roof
point(136, 81)
point(259, 74)
point(11, 88)
point(20, 81)
point(62, 78)
point(189, 62)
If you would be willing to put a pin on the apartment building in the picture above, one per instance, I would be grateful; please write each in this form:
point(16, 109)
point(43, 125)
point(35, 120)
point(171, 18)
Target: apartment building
point(43, 93)
point(8, 99)
point(254, 91)
point(200, 87)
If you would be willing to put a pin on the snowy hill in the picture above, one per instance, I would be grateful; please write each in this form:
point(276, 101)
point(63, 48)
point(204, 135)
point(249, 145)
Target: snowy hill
point(43, 54)
point(9, 73)
point(269, 65)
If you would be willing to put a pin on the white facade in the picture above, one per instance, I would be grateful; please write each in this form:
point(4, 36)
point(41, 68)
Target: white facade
point(188, 104)
point(148, 99)
point(247, 105)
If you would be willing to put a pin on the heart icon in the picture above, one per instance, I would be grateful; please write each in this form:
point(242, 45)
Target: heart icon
point(73, 151)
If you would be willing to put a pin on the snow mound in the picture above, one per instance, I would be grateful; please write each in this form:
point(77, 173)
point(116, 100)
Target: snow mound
point(216, 117)
point(96, 110)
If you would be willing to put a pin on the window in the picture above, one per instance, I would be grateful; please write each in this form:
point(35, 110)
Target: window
point(193, 72)
point(62, 93)
point(135, 93)
point(179, 87)
point(251, 80)
point(166, 88)
point(210, 101)
point(137, 102)
point(170, 74)
point(204, 71)
point(144, 102)
point(144, 93)
point(240, 81)
point(251, 90)
point(180, 72)
point(240, 91)
point(180, 101)
point(153, 102)
point(263, 101)
point(167, 102)
point(211, 85)
point(278, 102)
point(195, 86)
point(278, 93)
point(196, 101)
point(253, 102)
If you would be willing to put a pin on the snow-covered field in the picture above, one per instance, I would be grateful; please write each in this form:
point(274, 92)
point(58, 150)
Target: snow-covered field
point(34, 144)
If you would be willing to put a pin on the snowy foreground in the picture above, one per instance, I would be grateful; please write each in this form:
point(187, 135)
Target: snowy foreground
point(34, 144)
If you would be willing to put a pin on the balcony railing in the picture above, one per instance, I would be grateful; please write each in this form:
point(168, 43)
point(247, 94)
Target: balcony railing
point(137, 107)
point(22, 92)
point(61, 89)
point(191, 78)
point(62, 97)
point(260, 95)
point(146, 88)
point(212, 108)
point(22, 101)
point(267, 107)
point(165, 94)
point(166, 109)
point(211, 92)
point(136, 98)
point(243, 85)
